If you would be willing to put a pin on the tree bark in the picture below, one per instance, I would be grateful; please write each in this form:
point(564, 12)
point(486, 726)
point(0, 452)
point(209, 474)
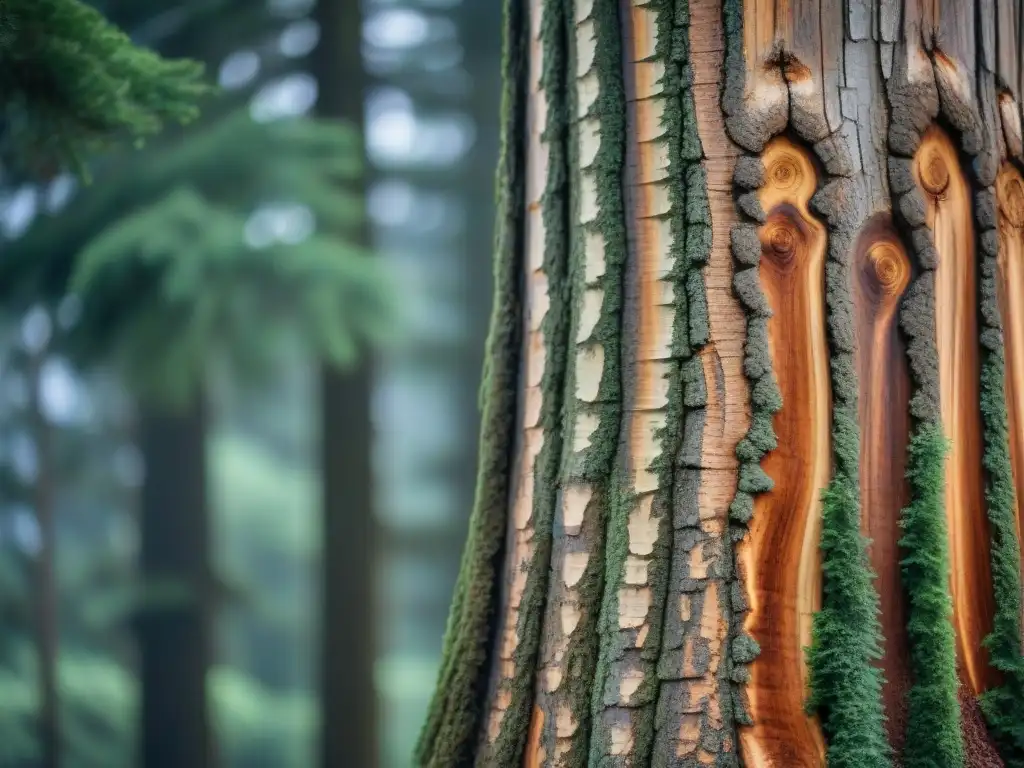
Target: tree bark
point(175, 633)
point(755, 263)
point(348, 696)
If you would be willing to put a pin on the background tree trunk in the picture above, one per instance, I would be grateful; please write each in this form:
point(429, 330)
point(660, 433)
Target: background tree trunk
point(175, 631)
point(348, 696)
point(753, 266)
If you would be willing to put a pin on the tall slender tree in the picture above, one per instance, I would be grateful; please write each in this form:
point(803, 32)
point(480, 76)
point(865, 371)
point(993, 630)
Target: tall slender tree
point(756, 265)
point(175, 637)
point(348, 694)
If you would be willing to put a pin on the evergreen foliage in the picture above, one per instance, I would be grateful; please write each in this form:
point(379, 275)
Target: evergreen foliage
point(933, 721)
point(71, 82)
point(159, 258)
point(199, 292)
point(845, 683)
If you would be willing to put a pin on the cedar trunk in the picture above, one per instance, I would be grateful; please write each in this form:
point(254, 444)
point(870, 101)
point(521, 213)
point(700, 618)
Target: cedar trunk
point(754, 403)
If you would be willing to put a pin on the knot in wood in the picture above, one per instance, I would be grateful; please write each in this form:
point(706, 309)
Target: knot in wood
point(934, 172)
point(785, 173)
point(891, 268)
point(782, 240)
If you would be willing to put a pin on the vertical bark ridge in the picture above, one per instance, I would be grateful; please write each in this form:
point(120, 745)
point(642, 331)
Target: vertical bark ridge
point(569, 651)
point(640, 534)
point(709, 461)
point(1010, 291)
point(1003, 705)
point(451, 730)
point(693, 722)
point(542, 382)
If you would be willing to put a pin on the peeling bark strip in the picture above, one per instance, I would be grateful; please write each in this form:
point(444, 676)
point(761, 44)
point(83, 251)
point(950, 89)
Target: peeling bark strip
point(779, 557)
point(565, 675)
point(942, 183)
point(693, 721)
point(539, 442)
point(881, 275)
point(655, 302)
point(451, 732)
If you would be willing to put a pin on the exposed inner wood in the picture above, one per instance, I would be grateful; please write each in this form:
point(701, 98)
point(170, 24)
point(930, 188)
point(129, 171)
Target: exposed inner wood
point(763, 32)
point(534, 756)
point(1010, 285)
point(882, 272)
point(530, 436)
point(780, 556)
point(942, 182)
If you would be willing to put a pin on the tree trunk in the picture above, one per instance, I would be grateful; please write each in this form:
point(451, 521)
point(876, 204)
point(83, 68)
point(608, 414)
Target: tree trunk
point(757, 264)
point(348, 697)
point(46, 569)
point(174, 630)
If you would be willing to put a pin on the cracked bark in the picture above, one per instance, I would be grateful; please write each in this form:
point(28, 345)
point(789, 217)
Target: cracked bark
point(763, 294)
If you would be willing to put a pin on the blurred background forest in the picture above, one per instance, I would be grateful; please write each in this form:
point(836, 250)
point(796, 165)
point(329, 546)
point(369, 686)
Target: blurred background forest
point(238, 401)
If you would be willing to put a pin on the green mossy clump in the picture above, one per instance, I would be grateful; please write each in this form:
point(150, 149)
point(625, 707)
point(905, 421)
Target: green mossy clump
point(933, 718)
point(1002, 706)
point(451, 731)
point(846, 685)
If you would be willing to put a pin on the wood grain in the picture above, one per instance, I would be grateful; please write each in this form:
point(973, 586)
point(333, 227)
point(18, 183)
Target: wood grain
point(780, 557)
point(881, 275)
point(1010, 287)
point(944, 187)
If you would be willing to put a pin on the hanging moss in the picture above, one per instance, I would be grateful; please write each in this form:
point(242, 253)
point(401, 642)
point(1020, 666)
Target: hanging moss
point(451, 730)
point(933, 719)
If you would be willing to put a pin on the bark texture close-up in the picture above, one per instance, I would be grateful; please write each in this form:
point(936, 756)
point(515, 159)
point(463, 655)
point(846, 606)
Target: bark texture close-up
point(752, 449)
